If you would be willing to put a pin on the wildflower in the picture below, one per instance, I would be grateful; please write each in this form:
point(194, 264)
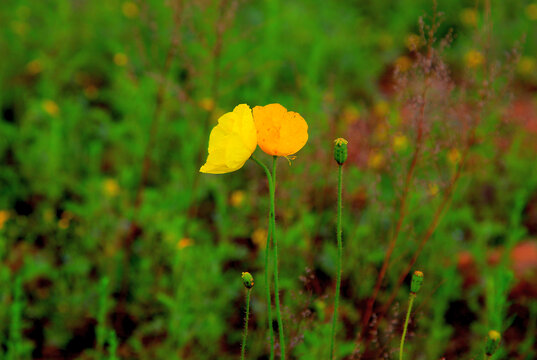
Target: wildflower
point(232, 141)
point(493, 342)
point(454, 156)
point(247, 280)
point(468, 17)
point(111, 187)
point(350, 114)
point(259, 237)
point(474, 58)
point(376, 160)
point(417, 281)
point(403, 63)
point(526, 65)
point(120, 59)
point(237, 198)
point(412, 42)
point(34, 67)
point(279, 132)
point(381, 108)
point(433, 189)
point(4, 216)
point(51, 107)
point(184, 242)
point(531, 11)
point(130, 9)
point(206, 104)
point(399, 142)
point(65, 220)
point(340, 150)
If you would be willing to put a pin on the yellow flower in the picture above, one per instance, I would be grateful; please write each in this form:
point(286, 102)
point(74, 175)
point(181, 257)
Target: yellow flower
point(474, 58)
point(400, 142)
point(63, 223)
point(184, 242)
point(111, 187)
point(526, 65)
point(403, 63)
point(120, 59)
point(4, 216)
point(381, 108)
point(206, 104)
point(531, 11)
point(468, 17)
point(413, 42)
point(130, 9)
point(237, 198)
point(454, 156)
point(34, 67)
point(376, 160)
point(232, 141)
point(51, 107)
point(280, 132)
point(259, 237)
point(350, 114)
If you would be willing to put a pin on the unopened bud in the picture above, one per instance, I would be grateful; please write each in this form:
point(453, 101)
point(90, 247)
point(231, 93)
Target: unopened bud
point(247, 280)
point(340, 150)
point(493, 342)
point(417, 281)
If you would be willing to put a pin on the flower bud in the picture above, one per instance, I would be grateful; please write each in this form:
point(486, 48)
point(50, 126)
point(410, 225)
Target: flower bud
point(417, 281)
point(493, 342)
point(340, 150)
point(248, 280)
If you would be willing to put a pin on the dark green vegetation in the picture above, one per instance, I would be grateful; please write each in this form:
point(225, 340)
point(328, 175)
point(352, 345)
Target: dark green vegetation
point(112, 244)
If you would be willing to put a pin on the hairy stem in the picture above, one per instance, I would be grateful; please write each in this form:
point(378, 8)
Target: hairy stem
point(410, 302)
point(339, 260)
point(245, 334)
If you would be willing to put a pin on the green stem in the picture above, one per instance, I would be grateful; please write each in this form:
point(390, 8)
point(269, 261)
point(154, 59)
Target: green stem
point(245, 334)
point(275, 243)
point(411, 301)
point(267, 256)
point(339, 260)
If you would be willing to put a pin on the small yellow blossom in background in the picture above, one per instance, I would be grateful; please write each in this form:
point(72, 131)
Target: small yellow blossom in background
point(381, 108)
point(531, 11)
point(34, 67)
point(381, 133)
point(376, 160)
point(433, 189)
point(91, 91)
point(4, 216)
point(350, 114)
point(184, 242)
point(237, 198)
point(206, 104)
point(468, 17)
point(413, 42)
point(111, 187)
point(279, 132)
point(120, 59)
point(232, 141)
point(474, 58)
point(454, 156)
point(65, 220)
point(403, 63)
point(130, 9)
point(399, 142)
point(50, 107)
point(526, 65)
point(259, 237)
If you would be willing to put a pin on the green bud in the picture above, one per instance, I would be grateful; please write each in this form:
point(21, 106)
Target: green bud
point(493, 342)
point(417, 281)
point(248, 280)
point(340, 150)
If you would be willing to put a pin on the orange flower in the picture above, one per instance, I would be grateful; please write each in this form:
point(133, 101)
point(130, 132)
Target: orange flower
point(279, 132)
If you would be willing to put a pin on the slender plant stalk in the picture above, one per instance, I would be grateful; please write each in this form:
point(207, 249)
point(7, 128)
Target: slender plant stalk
point(245, 334)
point(267, 262)
point(411, 301)
point(275, 243)
point(339, 260)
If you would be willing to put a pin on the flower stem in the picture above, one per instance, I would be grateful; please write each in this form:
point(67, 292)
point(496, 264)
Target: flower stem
point(275, 243)
point(339, 260)
point(267, 269)
point(411, 301)
point(245, 334)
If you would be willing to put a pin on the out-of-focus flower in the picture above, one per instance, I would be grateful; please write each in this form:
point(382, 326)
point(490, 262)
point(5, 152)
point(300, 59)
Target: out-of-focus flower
point(259, 237)
point(279, 132)
point(433, 189)
point(111, 187)
point(474, 58)
point(413, 42)
point(184, 242)
point(381, 133)
point(120, 59)
point(65, 220)
point(206, 104)
point(350, 114)
point(381, 108)
point(531, 11)
point(232, 141)
point(399, 142)
point(50, 107)
point(4, 216)
point(376, 160)
point(468, 17)
point(237, 198)
point(403, 63)
point(453, 156)
point(526, 65)
point(130, 9)
point(34, 67)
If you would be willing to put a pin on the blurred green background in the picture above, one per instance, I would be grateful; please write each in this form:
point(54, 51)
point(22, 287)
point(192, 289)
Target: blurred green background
point(113, 245)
